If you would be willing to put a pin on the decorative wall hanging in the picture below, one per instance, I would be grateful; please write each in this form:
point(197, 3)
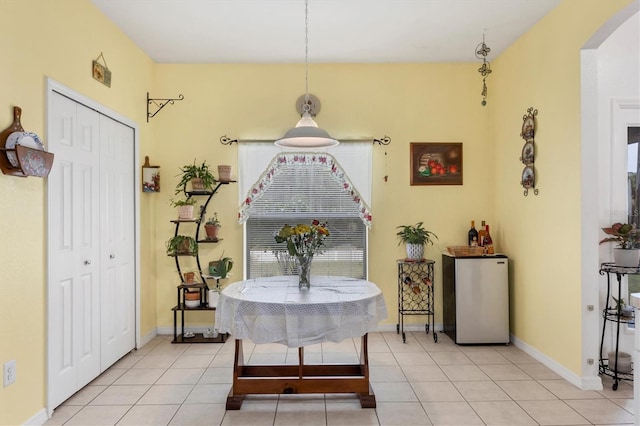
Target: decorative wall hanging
point(22, 153)
point(160, 103)
point(150, 177)
point(482, 50)
point(528, 179)
point(101, 72)
point(436, 163)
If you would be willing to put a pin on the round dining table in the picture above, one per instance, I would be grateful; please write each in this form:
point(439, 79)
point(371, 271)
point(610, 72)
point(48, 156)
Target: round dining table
point(275, 310)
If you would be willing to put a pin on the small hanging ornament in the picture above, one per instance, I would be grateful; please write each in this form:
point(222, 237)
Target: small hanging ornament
point(482, 50)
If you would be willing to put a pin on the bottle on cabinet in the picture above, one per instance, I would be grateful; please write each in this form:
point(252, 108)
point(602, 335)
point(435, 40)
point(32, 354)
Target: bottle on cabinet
point(488, 242)
point(481, 233)
point(473, 234)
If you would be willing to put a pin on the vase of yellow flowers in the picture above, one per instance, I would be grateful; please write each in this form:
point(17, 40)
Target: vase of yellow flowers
point(303, 241)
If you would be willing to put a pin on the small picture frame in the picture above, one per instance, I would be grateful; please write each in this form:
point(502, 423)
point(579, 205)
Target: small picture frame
point(436, 163)
point(101, 72)
point(150, 177)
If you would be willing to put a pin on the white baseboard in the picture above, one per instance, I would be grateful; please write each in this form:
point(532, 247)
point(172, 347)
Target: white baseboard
point(39, 418)
point(584, 383)
point(147, 338)
point(163, 331)
point(407, 327)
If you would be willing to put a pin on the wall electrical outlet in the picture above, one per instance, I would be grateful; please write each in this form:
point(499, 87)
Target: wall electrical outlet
point(9, 373)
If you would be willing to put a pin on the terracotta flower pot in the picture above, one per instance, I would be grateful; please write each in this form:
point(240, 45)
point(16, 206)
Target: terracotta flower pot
point(212, 232)
point(192, 299)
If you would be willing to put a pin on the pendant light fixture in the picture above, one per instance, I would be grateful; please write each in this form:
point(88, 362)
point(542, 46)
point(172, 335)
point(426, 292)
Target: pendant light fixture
point(306, 134)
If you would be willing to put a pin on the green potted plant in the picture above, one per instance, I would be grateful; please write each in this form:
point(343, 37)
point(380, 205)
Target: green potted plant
point(627, 236)
point(182, 245)
point(212, 226)
point(221, 267)
point(415, 237)
point(200, 177)
point(185, 207)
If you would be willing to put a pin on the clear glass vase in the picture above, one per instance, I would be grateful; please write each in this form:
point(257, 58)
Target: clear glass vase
point(304, 271)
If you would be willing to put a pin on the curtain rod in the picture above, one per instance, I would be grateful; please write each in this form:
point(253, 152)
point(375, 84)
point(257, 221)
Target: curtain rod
point(386, 140)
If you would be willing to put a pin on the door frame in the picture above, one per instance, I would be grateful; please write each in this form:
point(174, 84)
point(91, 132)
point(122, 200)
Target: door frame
point(52, 87)
point(594, 141)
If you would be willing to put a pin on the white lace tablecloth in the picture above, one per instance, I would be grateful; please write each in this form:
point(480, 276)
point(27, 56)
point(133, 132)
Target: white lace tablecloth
point(274, 310)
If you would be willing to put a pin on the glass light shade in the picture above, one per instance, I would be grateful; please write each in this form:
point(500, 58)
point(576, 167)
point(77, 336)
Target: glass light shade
point(306, 134)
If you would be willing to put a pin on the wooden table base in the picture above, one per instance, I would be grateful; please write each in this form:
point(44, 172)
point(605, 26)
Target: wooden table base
point(301, 378)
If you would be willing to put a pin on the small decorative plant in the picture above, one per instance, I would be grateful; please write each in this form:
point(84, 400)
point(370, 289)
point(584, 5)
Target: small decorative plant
point(415, 238)
point(212, 226)
point(193, 171)
point(415, 234)
point(213, 221)
point(180, 203)
point(185, 208)
point(626, 235)
point(182, 245)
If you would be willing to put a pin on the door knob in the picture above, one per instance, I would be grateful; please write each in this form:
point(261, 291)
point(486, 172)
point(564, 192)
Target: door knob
point(112, 256)
point(87, 262)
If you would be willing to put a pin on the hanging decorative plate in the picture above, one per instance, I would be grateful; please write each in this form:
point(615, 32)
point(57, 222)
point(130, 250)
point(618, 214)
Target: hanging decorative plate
point(528, 153)
point(34, 162)
point(528, 180)
point(26, 139)
point(528, 126)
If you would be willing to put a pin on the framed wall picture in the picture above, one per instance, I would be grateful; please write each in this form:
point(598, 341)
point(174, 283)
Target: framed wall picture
point(436, 163)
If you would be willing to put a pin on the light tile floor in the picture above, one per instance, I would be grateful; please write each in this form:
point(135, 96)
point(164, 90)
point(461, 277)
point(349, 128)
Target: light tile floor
point(417, 383)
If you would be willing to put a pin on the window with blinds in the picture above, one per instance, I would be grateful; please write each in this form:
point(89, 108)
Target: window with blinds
point(300, 195)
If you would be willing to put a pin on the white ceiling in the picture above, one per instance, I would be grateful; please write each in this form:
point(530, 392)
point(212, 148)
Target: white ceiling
point(346, 31)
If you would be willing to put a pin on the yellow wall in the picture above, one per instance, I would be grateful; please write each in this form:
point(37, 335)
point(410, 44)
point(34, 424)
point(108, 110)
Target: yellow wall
point(410, 103)
point(542, 233)
point(59, 40)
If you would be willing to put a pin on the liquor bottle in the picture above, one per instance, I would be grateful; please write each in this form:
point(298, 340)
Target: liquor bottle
point(488, 242)
point(473, 234)
point(481, 234)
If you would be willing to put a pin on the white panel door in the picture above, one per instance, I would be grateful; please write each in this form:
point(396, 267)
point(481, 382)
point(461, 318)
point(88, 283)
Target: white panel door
point(117, 257)
point(73, 245)
point(91, 246)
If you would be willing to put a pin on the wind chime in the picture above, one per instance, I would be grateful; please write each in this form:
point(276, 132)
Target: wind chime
point(482, 50)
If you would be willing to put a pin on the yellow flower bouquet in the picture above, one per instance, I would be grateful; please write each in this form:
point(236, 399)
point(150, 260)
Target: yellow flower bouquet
point(303, 241)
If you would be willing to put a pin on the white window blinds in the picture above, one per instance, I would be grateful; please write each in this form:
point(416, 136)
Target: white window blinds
point(300, 193)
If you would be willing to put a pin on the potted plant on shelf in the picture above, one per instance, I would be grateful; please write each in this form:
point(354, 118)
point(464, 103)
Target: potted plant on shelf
point(415, 237)
point(200, 177)
point(627, 254)
point(185, 207)
point(221, 267)
point(182, 245)
point(212, 226)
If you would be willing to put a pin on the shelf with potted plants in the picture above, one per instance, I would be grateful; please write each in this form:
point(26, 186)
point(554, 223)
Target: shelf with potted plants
point(192, 292)
point(614, 363)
